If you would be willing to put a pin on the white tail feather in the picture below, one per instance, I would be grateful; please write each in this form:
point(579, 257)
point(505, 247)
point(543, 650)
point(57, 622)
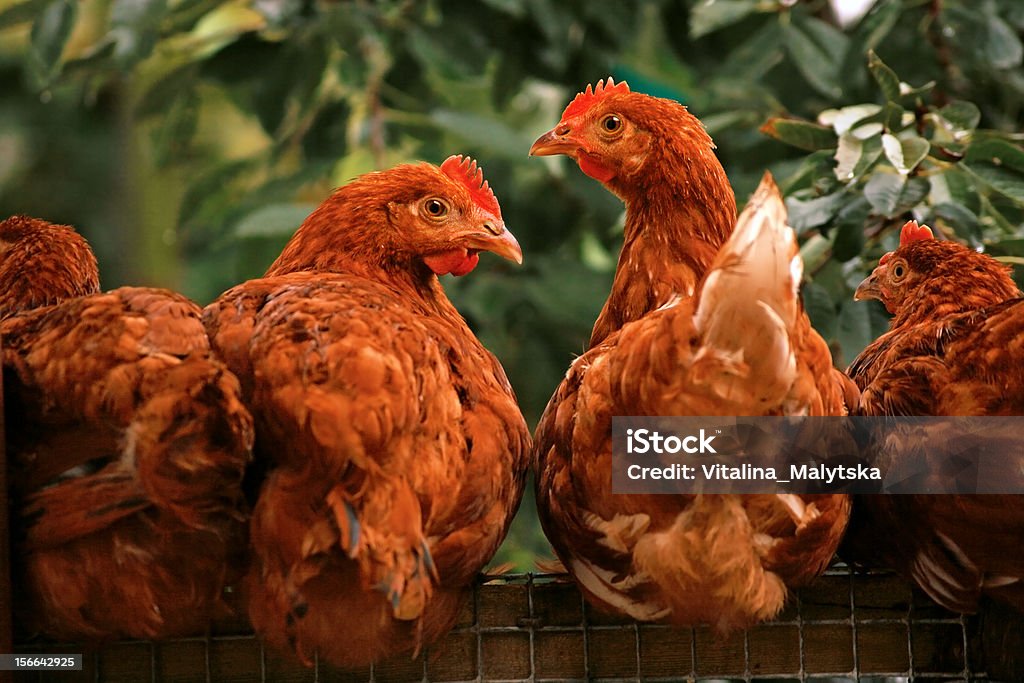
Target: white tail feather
point(748, 306)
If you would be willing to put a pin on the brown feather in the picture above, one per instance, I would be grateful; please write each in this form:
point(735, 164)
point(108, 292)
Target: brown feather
point(42, 264)
point(955, 347)
point(397, 449)
point(666, 343)
point(126, 466)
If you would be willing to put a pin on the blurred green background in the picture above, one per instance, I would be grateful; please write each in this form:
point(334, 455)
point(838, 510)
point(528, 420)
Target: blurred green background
point(189, 138)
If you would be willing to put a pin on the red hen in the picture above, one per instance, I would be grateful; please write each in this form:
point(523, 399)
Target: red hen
point(127, 442)
point(397, 449)
point(675, 339)
point(954, 347)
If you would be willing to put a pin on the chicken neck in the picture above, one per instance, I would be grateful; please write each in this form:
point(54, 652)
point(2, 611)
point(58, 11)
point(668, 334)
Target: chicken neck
point(674, 227)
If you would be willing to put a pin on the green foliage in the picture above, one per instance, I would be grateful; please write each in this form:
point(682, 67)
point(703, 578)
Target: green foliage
point(188, 138)
point(913, 152)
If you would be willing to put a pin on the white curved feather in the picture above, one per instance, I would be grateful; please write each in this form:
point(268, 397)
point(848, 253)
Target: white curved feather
point(748, 306)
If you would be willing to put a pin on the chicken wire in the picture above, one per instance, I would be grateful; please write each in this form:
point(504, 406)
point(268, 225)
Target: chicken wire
point(536, 628)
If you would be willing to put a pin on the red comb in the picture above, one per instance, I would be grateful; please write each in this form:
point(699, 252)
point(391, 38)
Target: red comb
point(586, 99)
point(464, 170)
point(911, 232)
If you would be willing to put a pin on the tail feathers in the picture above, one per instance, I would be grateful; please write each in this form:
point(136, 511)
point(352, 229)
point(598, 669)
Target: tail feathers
point(347, 521)
point(550, 565)
point(749, 306)
point(383, 534)
point(409, 583)
point(708, 569)
point(190, 440)
point(56, 515)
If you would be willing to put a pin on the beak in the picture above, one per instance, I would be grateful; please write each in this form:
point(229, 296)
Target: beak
point(555, 141)
point(496, 239)
point(869, 288)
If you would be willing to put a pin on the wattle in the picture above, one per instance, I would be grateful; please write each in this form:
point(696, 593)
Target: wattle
point(454, 262)
point(594, 169)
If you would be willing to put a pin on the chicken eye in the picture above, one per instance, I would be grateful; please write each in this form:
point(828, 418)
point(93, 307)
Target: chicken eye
point(435, 208)
point(898, 271)
point(611, 123)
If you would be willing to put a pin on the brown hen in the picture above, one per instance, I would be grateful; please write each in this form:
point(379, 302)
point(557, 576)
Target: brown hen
point(672, 342)
point(954, 347)
point(127, 442)
point(397, 447)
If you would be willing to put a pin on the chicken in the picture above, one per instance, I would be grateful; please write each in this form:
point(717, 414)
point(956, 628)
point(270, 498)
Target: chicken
point(955, 347)
point(397, 448)
point(126, 443)
point(674, 339)
point(43, 264)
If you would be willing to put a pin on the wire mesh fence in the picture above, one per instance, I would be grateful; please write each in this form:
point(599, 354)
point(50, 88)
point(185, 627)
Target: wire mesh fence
point(536, 628)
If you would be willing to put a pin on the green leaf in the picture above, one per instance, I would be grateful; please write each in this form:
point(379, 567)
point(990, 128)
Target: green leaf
point(217, 28)
point(892, 117)
point(877, 24)
point(815, 253)
point(816, 49)
point(997, 152)
point(830, 39)
point(963, 221)
point(712, 15)
point(290, 83)
point(870, 153)
point(20, 13)
point(848, 118)
point(1013, 246)
point(488, 133)
point(961, 115)
point(961, 188)
point(909, 97)
point(443, 54)
point(756, 55)
point(273, 220)
point(849, 239)
point(595, 255)
point(886, 78)
point(848, 155)
point(811, 167)
point(717, 123)
point(820, 309)
point(905, 153)
point(812, 213)
point(802, 134)
point(999, 164)
point(508, 80)
point(1002, 46)
point(996, 216)
point(883, 191)
point(892, 194)
point(210, 185)
point(176, 128)
point(515, 8)
point(854, 329)
point(914, 192)
point(50, 33)
point(867, 130)
point(855, 155)
point(160, 94)
point(135, 25)
point(1005, 181)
